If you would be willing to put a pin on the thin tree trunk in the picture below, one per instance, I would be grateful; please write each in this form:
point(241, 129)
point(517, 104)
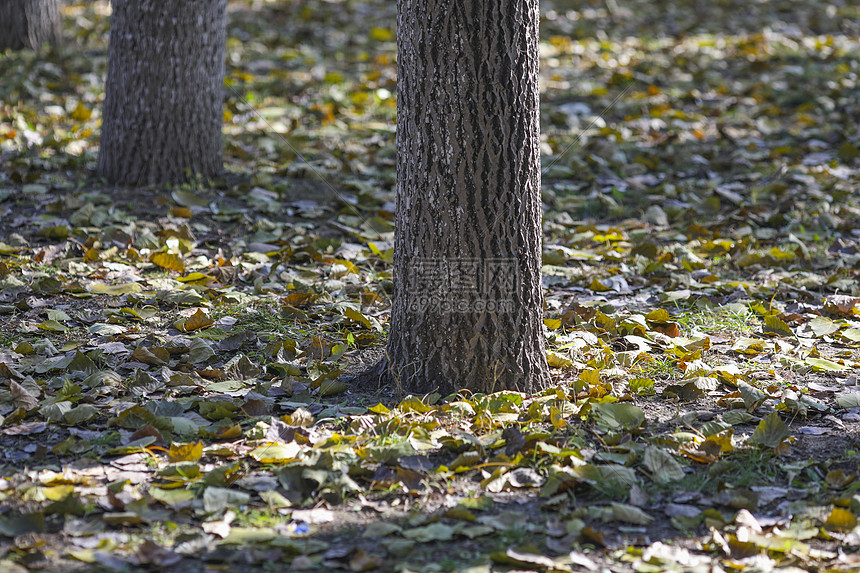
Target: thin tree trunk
point(467, 307)
point(29, 23)
point(164, 92)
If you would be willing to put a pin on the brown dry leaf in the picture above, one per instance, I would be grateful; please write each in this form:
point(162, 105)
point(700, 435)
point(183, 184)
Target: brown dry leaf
point(151, 355)
point(21, 397)
point(362, 561)
point(841, 305)
point(196, 321)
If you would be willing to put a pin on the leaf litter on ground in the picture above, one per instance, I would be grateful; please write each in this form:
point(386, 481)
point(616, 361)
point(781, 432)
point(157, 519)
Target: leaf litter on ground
point(175, 365)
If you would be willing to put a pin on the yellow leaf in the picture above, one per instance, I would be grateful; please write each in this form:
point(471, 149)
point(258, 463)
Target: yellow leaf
point(84, 555)
point(196, 278)
point(659, 315)
point(54, 326)
point(557, 418)
point(356, 316)
point(552, 323)
point(58, 492)
point(824, 365)
point(381, 34)
point(598, 286)
point(379, 409)
point(185, 452)
point(181, 212)
point(81, 113)
point(413, 404)
point(114, 290)
point(748, 346)
point(276, 453)
point(557, 360)
point(348, 264)
point(840, 520)
point(168, 261)
point(590, 377)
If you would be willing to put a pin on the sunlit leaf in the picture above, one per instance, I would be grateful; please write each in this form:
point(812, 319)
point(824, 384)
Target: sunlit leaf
point(824, 365)
point(185, 452)
point(276, 453)
point(196, 321)
point(114, 290)
point(168, 261)
point(54, 326)
point(822, 326)
point(840, 520)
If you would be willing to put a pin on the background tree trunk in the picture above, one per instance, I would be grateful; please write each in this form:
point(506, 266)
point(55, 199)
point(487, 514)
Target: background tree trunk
point(467, 308)
point(164, 92)
point(29, 23)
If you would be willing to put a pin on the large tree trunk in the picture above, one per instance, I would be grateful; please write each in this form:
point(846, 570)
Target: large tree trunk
point(467, 307)
point(29, 23)
point(164, 92)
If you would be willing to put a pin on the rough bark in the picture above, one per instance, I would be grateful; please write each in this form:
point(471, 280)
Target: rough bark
point(164, 91)
point(29, 23)
point(467, 305)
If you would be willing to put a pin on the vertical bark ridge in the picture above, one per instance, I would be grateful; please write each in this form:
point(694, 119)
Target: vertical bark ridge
point(468, 188)
point(164, 91)
point(29, 23)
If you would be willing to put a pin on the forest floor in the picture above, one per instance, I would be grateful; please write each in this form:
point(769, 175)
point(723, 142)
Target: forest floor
point(175, 364)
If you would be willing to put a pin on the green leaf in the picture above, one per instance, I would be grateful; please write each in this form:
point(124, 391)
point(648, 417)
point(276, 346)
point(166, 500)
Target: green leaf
point(245, 536)
point(770, 432)
point(218, 498)
point(630, 514)
point(434, 532)
point(13, 525)
point(102, 329)
point(80, 414)
point(849, 400)
point(276, 501)
point(618, 416)
point(736, 417)
point(642, 386)
point(56, 412)
point(775, 325)
point(176, 498)
point(752, 396)
point(199, 351)
point(662, 464)
point(54, 326)
point(332, 388)
point(189, 199)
